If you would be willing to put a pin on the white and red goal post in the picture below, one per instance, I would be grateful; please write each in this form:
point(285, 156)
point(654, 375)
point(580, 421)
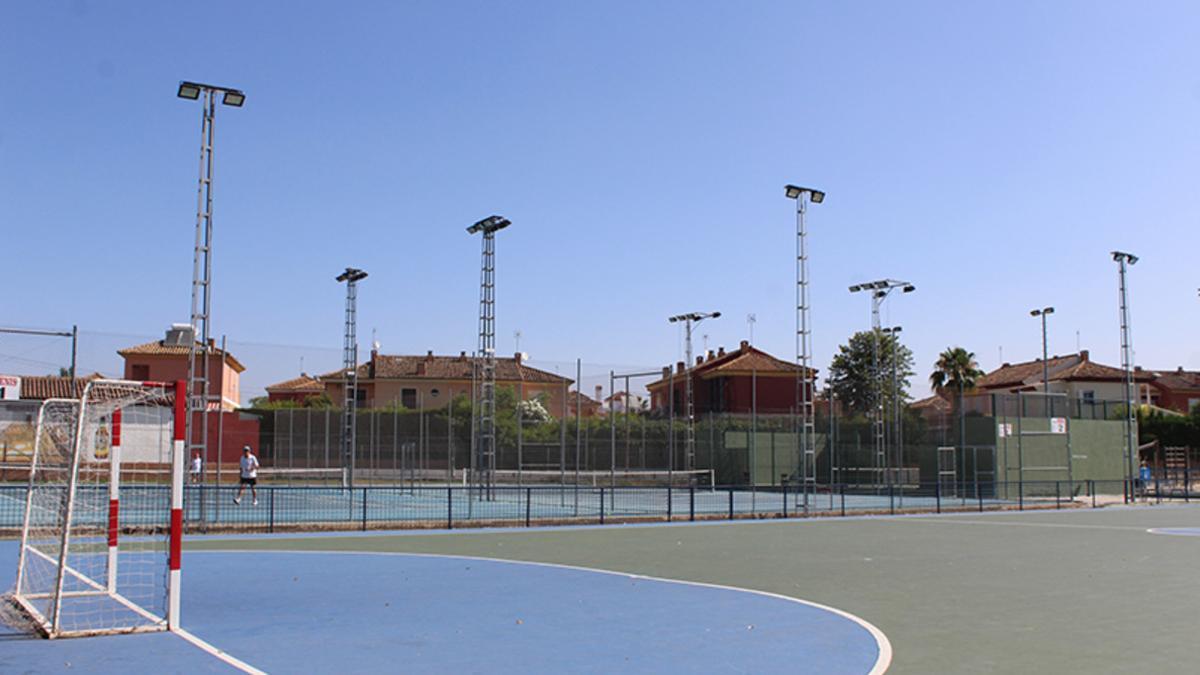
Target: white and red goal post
point(102, 531)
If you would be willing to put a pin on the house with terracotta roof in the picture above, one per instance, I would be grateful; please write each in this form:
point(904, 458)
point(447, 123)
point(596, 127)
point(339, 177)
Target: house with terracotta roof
point(1177, 390)
point(297, 389)
point(430, 381)
point(1075, 375)
point(166, 360)
point(729, 382)
point(42, 387)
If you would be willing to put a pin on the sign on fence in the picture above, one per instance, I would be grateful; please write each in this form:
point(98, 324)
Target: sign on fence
point(1058, 425)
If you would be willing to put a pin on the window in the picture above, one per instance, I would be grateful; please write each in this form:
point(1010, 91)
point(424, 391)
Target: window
point(434, 393)
point(408, 398)
point(140, 372)
point(1088, 396)
point(360, 397)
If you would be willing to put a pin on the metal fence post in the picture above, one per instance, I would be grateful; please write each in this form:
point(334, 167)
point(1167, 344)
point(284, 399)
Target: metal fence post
point(731, 503)
point(1092, 491)
point(449, 508)
point(785, 498)
point(979, 496)
point(670, 502)
point(601, 506)
point(843, 490)
point(937, 495)
point(1057, 495)
point(271, 505)
point(528, 500)
point(1020, 495)
point(892, 498)
point(691, 502)
point(364, 509)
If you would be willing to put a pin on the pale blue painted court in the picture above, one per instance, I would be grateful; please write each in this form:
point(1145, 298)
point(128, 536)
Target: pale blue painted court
point(356, 612)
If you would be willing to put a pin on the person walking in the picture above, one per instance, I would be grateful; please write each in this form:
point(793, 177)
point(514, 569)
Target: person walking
point(248, 475)
point(197, 467)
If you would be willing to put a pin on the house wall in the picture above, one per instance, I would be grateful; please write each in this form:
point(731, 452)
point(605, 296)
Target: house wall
point(1180, 400)
point(222, 378)
point(382, 393)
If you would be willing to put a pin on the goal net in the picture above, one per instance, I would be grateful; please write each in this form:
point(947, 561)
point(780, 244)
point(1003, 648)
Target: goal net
point(100, 540)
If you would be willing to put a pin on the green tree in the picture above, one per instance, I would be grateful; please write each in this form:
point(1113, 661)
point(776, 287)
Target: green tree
point(956, 370)
point(852, 373)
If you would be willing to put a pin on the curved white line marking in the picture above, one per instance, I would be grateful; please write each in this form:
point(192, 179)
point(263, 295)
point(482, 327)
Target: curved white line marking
point(1187, 531)
point(882, 662)
point(220, 654)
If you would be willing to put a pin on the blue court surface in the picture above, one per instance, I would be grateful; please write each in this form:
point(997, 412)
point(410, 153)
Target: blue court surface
point(284, 611)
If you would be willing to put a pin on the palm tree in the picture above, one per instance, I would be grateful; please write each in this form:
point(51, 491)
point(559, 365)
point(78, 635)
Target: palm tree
point(956, 369)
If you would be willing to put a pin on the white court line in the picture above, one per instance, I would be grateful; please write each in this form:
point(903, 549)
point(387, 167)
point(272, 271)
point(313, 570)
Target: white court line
point(218, 653)
point(882, 662)
point(1175, 531)
point(1018, 523)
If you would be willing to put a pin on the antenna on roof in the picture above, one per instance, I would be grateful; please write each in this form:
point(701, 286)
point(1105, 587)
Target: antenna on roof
point(751, 319)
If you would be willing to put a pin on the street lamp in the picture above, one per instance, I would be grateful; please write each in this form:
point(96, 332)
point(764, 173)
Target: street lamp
point(879, 291)
point(1044, 312)
point(806, 431)
point(690, 442)
point(1124, 260)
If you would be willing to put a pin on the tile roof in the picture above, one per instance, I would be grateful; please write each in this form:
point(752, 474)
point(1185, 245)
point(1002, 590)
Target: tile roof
point(42, 387)
point(934, 402)
point(444, 368)
point(297, 385)
point(742, 361)
point(1014, 374)
point(1092, 371)
point(1176, 379)
point(157, 348)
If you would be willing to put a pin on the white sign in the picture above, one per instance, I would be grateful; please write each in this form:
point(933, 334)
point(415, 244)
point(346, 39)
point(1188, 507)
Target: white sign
point(1058, 425)
point(10, 387)
point(1004, 430)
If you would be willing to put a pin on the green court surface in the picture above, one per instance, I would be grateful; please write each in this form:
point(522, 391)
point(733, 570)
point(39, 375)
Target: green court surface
point(1061, 591)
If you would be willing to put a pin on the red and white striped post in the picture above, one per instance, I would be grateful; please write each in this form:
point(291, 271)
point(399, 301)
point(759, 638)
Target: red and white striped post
point(114, 499)
point(176, 546)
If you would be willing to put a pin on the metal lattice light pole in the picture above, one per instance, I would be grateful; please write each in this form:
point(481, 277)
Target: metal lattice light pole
point(1043, 313)
point(689, 446)
point(350, 374)
point(1123, 260)
point(897, 431)
point(805, 421)
point(485, 445)
point(879, 292)
point(199, 347)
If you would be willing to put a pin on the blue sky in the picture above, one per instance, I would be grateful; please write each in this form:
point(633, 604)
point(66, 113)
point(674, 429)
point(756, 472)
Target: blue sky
point(993, 154)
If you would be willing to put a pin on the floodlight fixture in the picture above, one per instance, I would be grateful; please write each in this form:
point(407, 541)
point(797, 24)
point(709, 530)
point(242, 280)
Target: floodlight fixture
point(352, 274)
point(233, 98)
point(694, 316)
point(489, 225)
point(189, 90)
point(855, 288)
point(909, 288)
point(1119, 256)
point(796, 192)
point(1040, 312)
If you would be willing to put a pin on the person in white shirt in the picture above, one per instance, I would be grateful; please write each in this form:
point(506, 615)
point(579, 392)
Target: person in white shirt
point(249, 475)
point(197, 466)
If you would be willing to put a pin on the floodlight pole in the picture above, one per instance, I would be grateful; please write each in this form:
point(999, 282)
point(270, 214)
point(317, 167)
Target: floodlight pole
point(199, 347)
point(805, 423)
point(897, 417)
point(350, 374)
point(879, 290)
point(485, 447)
point(1123, 260)
point(689, 446)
